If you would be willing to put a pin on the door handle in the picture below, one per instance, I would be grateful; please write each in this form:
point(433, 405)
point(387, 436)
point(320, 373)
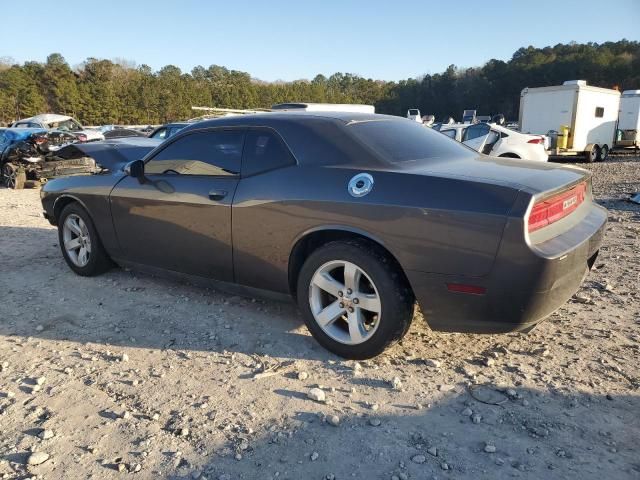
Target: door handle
point(217, 194)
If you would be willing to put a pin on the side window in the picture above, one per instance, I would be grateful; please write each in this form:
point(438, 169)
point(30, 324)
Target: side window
point(449, 133)
point(475, 131)
point(3, 137)
point(264, 151)
point(161, 134)
point(201, 153)
point(599, 112)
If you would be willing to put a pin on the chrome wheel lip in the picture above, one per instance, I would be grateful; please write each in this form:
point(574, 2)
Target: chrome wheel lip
point(339, 308)
point(76, 240)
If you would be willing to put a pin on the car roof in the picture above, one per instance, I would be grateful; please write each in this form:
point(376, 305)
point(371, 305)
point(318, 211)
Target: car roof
point(45, 117)
point(268, 118)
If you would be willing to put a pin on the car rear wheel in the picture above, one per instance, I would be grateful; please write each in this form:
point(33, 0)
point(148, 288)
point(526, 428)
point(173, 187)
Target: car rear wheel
point(79, 242)
point(592, 153)
point(603, 154)
point(13, 177)
point(354, 300)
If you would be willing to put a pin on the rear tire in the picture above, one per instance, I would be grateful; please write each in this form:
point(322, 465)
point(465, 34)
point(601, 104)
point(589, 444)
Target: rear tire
point(603, 154)
point(81, 247)
point(592, 153)
point(13, 177)
point(354, 300)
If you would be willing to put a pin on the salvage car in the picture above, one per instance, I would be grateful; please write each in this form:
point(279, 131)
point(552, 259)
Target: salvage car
point(65, 123)
point(496, 140)
point(33, 155)
point(356, 216)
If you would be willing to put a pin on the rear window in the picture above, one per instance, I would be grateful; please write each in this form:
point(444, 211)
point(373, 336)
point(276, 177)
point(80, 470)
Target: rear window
point(405, 141)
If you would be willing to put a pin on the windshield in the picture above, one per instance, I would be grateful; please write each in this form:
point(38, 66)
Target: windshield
point(405, 142)
point(69, 125)
point(413, 112)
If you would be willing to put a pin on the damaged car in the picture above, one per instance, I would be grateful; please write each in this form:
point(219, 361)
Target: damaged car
point(37, 155)
point(64, 123)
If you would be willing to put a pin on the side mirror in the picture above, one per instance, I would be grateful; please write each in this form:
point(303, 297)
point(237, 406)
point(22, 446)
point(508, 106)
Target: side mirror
point(135, 169)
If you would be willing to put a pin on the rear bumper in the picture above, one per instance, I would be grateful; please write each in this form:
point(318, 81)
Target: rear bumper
point(527, 284)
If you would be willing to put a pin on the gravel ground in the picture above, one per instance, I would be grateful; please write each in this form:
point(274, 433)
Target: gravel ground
point(127, 374)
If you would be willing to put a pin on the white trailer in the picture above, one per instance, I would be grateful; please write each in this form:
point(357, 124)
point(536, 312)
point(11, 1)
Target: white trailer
point(628, 134)
point(324, 107)
point(583, 116)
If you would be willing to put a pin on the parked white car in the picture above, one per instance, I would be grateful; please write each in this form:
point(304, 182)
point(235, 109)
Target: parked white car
point(496, 140)
point(64, 123)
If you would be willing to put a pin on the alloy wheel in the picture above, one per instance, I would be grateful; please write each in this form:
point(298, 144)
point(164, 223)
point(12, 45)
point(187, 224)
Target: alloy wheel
point(77, 241)
point(345, 302)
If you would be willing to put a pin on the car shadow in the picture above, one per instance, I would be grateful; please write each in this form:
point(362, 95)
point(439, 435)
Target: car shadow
point(125, 308)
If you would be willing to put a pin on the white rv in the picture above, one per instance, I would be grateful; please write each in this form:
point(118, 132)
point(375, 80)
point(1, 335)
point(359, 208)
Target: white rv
point(324, 107)
point(583, 116)
point(628, 134)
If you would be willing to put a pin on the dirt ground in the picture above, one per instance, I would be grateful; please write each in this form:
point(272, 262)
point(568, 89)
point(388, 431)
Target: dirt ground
point(127, 374)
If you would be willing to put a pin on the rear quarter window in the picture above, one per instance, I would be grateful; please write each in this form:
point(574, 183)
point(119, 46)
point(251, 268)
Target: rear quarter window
point(264, 151)
point(405, 142)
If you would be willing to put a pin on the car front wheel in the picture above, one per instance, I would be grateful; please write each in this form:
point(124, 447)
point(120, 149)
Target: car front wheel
point(13, 177)
point(79, 242)
point(354, 299)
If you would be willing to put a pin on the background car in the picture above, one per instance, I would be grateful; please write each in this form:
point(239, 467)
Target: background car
point(354, 215)
point(28, 154)
point(496, 140)
point(168, 130)
point(53, 121)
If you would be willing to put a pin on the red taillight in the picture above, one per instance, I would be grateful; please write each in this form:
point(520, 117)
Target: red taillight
point(559, 206)
point(537, 141)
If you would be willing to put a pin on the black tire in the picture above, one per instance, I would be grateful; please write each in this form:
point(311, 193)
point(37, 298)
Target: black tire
point(99, 262)
point(592, 154)
point(397, 299)
point(13, 177)
point(603, 153)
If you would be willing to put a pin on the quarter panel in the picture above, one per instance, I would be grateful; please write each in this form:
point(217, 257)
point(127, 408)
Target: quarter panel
point(429, 224)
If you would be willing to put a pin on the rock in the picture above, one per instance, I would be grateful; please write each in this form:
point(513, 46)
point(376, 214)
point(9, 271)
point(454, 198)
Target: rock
point(303, 375)
point(374, 407)
point(444, 466)
point(238, 456)
point(582, 298)
point(489, 448)
point(317, 395)
point(488, 361)
point(40, 380)
point(396, 383)
point(183, 432)
point(374, 422)
point(39, 328)
point(136, 468)
point(37, 458)
point(432, 451)
point(333, 420)
point(429, 362)
point(446, 388)
point(121, 467)
point(418, 459)
point(314, 456)
point(46, 434)
point(467, 412)
point(476, 418)
point(125, 415)
point(155, 416)
point(124, 357)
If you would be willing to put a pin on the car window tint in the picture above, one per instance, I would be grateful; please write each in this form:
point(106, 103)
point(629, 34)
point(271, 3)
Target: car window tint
point(263, 151)
point(201, 153)
point(161, 134)
point(403, 141)
point(2, 137)
point(475, 131)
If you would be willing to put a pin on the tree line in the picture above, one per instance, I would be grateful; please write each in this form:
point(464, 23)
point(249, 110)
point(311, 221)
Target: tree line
point(117, 92)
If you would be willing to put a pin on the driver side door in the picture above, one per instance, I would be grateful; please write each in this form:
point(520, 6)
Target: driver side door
point(178, 217)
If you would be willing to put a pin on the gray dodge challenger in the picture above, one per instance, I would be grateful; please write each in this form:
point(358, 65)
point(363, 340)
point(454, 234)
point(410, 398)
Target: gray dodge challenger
point(356, 216)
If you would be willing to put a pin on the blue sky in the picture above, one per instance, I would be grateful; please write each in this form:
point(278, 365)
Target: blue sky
point(297, 39)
